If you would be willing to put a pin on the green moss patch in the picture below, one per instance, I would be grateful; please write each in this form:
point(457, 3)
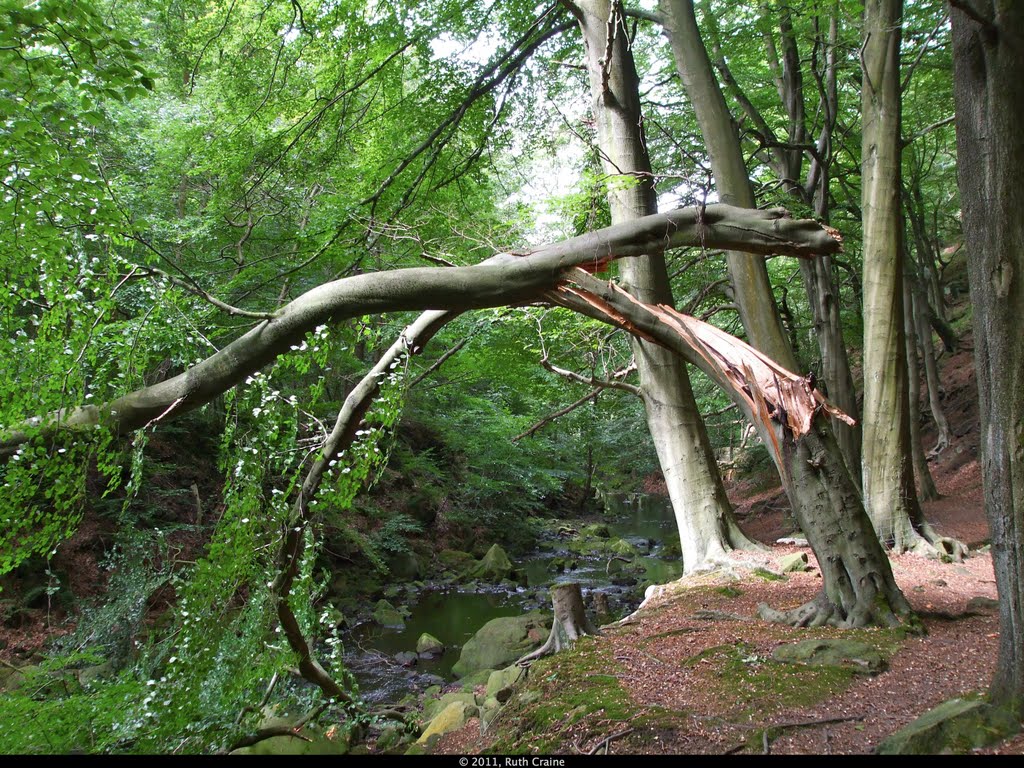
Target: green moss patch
point(728, 591)
point(572, 686)
point(757, 683)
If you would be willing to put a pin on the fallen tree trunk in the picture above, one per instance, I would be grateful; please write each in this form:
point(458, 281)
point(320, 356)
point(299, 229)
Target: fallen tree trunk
point(858, 586)
point(501, 280)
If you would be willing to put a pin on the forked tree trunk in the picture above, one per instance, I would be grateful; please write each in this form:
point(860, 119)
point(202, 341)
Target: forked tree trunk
point(988, 78)
point(732, 183)
point(569, 624)
point(858, 586)
point(706, 525)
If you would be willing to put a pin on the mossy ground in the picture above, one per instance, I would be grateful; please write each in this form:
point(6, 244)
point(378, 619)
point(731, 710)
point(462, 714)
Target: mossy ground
point(574, 700)
point(580, 686)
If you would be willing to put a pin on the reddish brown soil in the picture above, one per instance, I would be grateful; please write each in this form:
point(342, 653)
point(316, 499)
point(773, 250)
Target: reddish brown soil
point(956, 656)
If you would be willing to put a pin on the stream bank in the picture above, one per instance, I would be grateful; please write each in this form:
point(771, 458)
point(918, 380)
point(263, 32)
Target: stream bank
point(614, 557)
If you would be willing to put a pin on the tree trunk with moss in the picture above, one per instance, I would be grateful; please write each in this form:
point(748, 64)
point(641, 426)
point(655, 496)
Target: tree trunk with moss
point(707, 528)
point(858, 586)
point(793, 420)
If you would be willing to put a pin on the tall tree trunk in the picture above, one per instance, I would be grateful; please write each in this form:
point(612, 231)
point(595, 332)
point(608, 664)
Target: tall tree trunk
point(931, 367)
point(888, 478)
point(858, 586)
point(786, 161)
point(707, 528)
point(988, 71)
point(858, 583)
point(925, 484)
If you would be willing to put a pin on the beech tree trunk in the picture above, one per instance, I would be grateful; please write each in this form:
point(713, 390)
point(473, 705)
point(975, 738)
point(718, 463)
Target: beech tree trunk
point(988, 73)
point(931, 368)
point(889, 493)
point(706, 525)
point(791, 417)
point(501, 280)
point(858, 584)
point(925, 483)
point(732, 184)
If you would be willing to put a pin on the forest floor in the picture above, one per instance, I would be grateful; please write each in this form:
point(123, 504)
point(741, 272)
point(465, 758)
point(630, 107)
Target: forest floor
point(692, 671)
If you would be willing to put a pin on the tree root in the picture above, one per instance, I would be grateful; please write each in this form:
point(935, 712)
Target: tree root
point(870, 609)
point(569, 624)
point(933, 545)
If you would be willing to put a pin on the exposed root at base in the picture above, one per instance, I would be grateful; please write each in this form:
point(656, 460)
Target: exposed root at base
point(819, 612)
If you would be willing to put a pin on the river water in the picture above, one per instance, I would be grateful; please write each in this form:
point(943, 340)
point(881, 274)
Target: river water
point(453, 615)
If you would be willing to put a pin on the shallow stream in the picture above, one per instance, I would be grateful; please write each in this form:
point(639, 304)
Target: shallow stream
point(453, 615)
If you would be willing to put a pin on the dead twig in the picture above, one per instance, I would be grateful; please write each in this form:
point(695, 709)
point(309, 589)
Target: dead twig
point(606, 742)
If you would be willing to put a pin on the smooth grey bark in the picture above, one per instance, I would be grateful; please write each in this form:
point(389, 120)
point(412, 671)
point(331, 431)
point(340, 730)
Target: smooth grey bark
point(988, 80)
point(786, 159)
point(501, 280)
point(926, 489)
point(293, 542)
point(889, 492)
point(917, 275)
point(704, 519)
point(923, 328)
point(858, 584)
point(751, 286)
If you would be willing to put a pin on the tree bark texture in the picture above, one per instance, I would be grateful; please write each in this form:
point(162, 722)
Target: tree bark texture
point(791, 416)
point(732, 183)
point(988, 61)
point(858, 584)
point(888, 478)
point(751, 287)
point(925, 483)
point(569, 624)
point(707, 528)
point(501, 280)
point(931, 368)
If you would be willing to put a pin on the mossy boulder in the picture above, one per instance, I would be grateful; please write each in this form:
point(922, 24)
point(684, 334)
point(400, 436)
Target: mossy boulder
point(451, 718)
point(307, 744)
point(385, 614)
point(13, 678)
point(471, 681)
point(622, 548)
point(848, 654)
point(500, 682)
point(391, 738)
point(432, 707)
point(495, 566)
point(794, 563)
point(955, 726)
point(88, 675)
point(455, 561)
point(489, 709)
point(502, 641)
point(429, 645)
point(596, 531)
